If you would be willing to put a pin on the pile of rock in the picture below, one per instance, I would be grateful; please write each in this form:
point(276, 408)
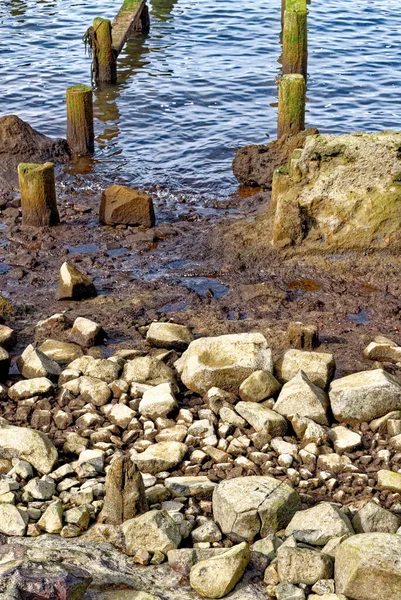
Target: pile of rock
point(210, 454)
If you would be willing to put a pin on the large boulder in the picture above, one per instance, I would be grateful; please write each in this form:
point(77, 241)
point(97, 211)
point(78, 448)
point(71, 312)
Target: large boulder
point(318, 366)
point(27, 444)
point(153, 531)
point(303, 398)
point(123, 205)
point(224, 361)
point(255, 164)
point(368, 567)
point(364, 396)
point(245, 507)
point(20, 143)
point(317, 525)
point(342, 191)
point(215, 577)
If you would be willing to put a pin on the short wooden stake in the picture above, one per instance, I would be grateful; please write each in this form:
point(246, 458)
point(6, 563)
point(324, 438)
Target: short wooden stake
point(291, 105)
point(38, 194)
point(295, 38)
point(80, 132)
point(104, 57)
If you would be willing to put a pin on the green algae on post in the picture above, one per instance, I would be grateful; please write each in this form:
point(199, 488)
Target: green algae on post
point(128, 19)
point(80, 131)
point(291, 105)
point(38, 194)
point(104, 57)
point(295, 38)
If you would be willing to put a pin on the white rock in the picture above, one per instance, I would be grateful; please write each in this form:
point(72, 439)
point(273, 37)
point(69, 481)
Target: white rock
point(33, 363)
point(319, 367)
point(27, 444)
point(159, 401)
point(12, 520)
point(301, 397)
point(85, 332)
point(39, 386)
point(52, 519)
point(262, 418)
point(169, 335)
point(121, 415)
point(259, 386)
point(343, 439)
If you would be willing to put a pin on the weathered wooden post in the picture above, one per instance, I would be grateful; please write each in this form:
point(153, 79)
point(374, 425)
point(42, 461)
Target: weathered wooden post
point(80, 131)
point(104, 57)
point(295, 38)
point(38, 194)
point(291, 104)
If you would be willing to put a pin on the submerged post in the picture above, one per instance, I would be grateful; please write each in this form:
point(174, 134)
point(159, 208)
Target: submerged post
point(295, 38)
point(80, 131)
point(291, 105)
point(38, 194)
point(104, 57)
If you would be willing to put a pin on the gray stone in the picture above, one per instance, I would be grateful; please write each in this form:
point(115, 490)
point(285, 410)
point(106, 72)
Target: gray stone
point(27, 444)
point(12, 520)
point(224, 361)
point(288, 591)
point(158, 401)
point(302, 397)
point(33, 363)
point(343, 439)
point(262, 418)
point(190, 486)
point(367, 567)
point(217, 576)
point(160, 457)
point(245, 507)
point(317, 525)
point(259, 386)
point(153, 531)
point(61, 352)
point(301, 565)
point(52, 519)
point(39, 386)
point(319, 367)
point(147, 369)
point(373, 517)
point(364, 396)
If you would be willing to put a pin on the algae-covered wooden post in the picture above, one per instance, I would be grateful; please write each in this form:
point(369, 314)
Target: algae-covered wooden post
point(80, 132)
point(291, 105)
point(295, 38)
point(104, 57)
point(38, 194)
point(132, 16)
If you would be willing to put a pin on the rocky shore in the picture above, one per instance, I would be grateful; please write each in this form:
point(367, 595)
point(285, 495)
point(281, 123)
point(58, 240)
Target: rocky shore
point(197, 467)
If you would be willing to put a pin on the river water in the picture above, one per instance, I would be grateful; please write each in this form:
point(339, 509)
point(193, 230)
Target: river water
point(201, 84)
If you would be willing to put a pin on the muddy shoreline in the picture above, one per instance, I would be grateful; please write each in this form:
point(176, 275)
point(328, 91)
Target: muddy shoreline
point(209, 266)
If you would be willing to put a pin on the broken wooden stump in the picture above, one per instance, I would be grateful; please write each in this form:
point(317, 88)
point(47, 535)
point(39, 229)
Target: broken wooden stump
point(38, 194)
point(291, 105)
point(107, 40)
point(80, 131)
point(295, 38)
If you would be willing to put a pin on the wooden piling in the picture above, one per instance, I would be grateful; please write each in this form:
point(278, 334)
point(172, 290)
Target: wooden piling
point(132, 16)
point(291, 105)
point(295, 38)
point(80, 131)
point(104, 56)
point(38, 194)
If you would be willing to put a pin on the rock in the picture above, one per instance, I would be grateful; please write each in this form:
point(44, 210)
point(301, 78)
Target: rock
point(319, 367)
point(327, 597)
point(169, 335)
point(388, 480)
point(207, 532)
point(123, 205)
point(301, 397)
point(259, 386)
point(340, 184)
point(255, 164)
point(216, 399)
point(147, 369)
point(160, 457)
point(52, 519)
point(4, 364)
point(39, 386)
point(39, 580)
point(301, 565)
point(6, 307)
point(224, 361)
point(121, 415)
point(383, 351)
point(332, 463)
point(158, 401)
point(104, 369)
point(245, 507)
point(184, 559)
point(27, 444)
point(317, 525)
point(288, 591)
point(343, 439)
point(262, 418)
point(78, 516)
point(190, 486)
point(364, 396)
point(74, 285)
point(125, 492)
point(85, 332)
point(33, 364)
point(372, 517)
point(91, 457)
point(7, 337)
point(307, 430)
point(153, 531)
point(61, 352)
point(12, 520)
point(368, 567)
point(301, 336)
point(20, 143)
point(217, 576)
point(94, 390)
point(39, 489)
